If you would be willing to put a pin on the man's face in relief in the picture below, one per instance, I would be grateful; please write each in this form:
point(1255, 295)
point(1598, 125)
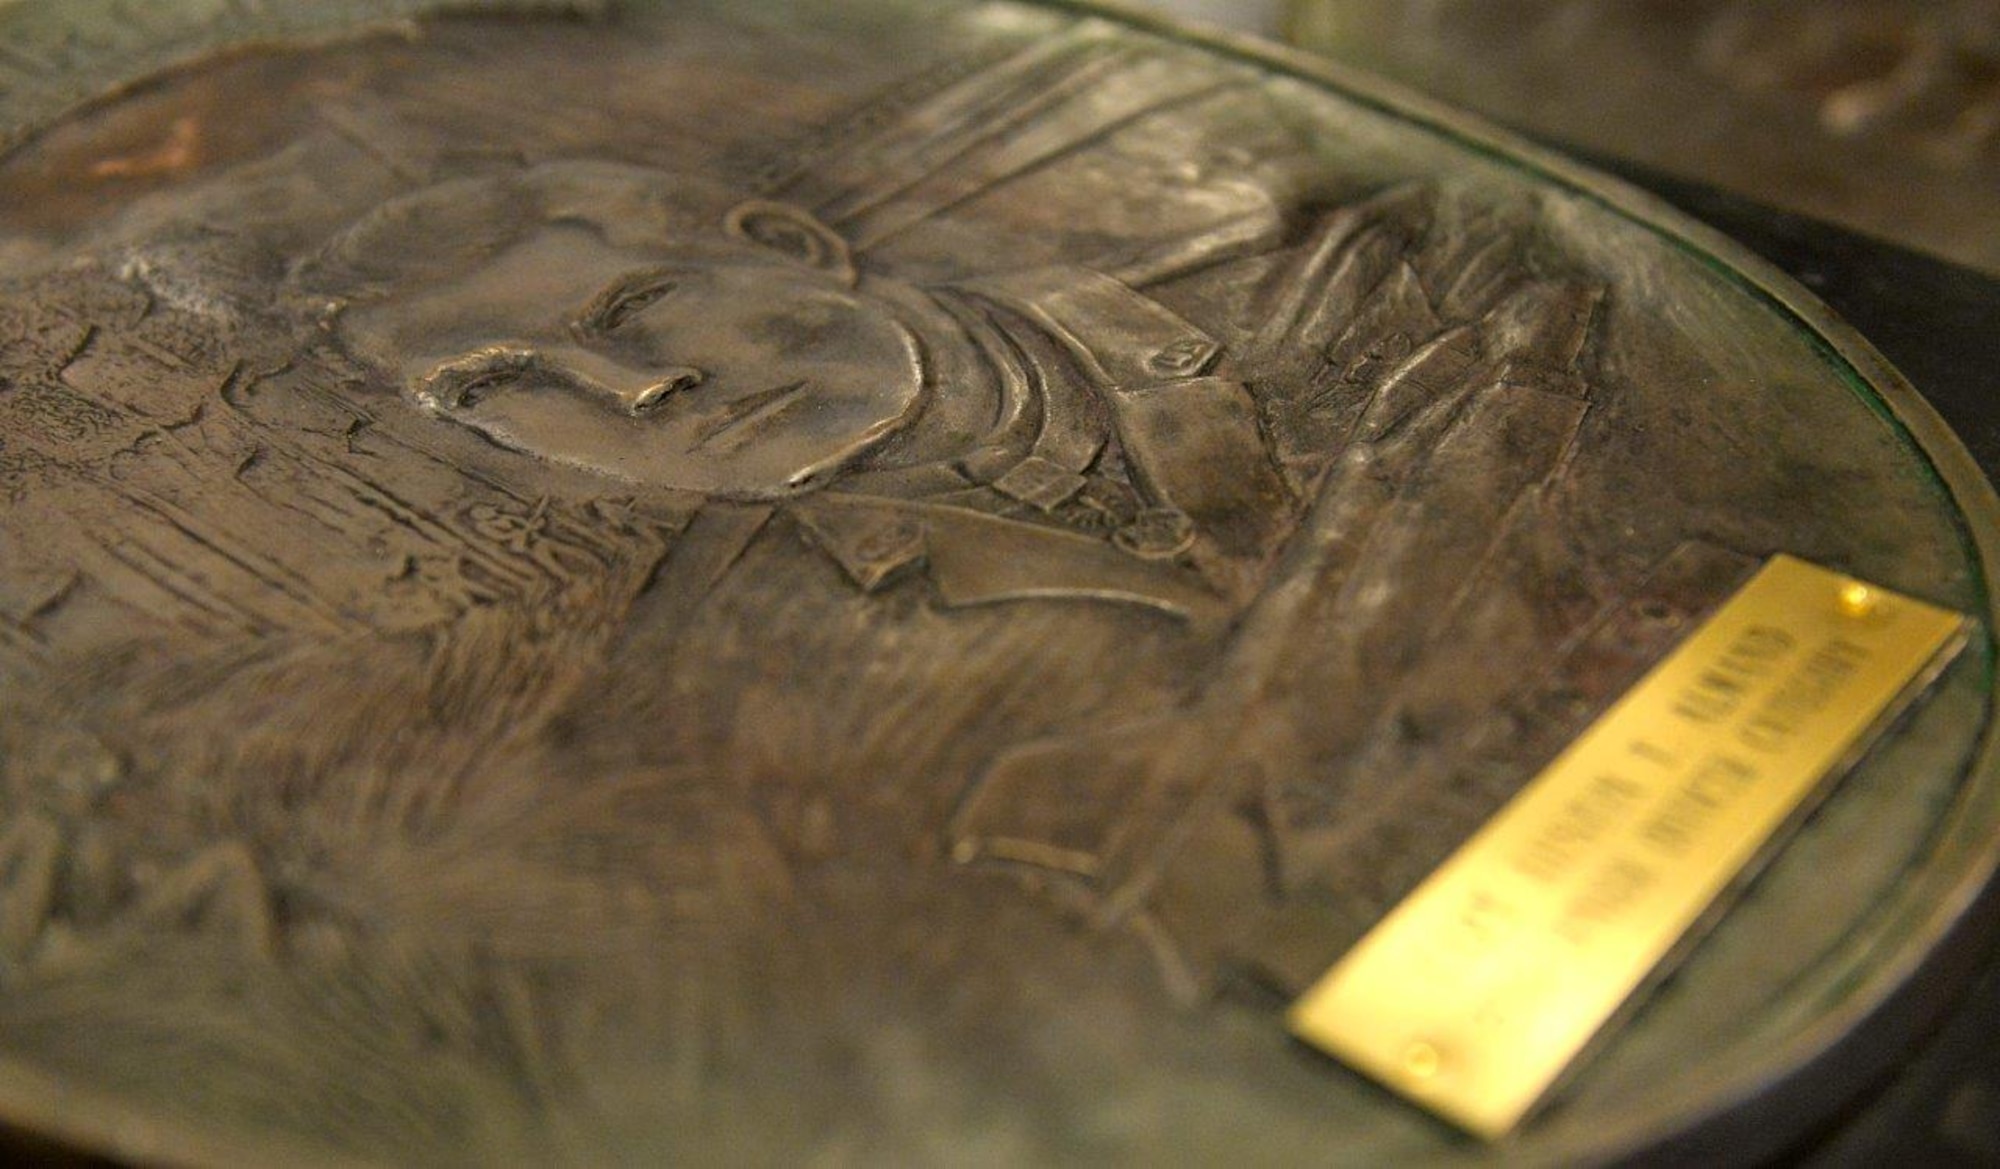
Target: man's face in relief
point(729, 371)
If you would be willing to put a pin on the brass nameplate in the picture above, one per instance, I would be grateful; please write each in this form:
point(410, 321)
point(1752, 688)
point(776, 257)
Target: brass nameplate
point(1476, 993)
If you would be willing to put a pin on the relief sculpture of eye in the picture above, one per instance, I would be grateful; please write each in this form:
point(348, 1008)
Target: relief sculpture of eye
point(618, 306)
point(466, 381)
point(477, 388)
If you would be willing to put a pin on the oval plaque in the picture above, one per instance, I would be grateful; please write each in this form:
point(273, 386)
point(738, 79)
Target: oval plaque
point(877, 580)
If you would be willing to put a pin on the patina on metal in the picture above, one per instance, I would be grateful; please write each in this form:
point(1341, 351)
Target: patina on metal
point(874, 581)
point(1883, 115)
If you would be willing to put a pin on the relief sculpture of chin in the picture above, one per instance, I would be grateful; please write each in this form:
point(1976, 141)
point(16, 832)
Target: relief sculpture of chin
point(536, 601)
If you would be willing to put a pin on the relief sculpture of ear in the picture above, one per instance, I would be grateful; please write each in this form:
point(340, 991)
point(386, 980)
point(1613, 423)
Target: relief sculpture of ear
point(795, 234)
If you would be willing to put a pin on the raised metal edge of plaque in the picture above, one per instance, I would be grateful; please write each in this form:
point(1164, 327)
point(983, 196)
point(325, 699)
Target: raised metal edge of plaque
point(1745, 1108)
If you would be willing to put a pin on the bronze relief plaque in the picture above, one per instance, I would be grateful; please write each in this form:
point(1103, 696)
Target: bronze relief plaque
point(865, 581)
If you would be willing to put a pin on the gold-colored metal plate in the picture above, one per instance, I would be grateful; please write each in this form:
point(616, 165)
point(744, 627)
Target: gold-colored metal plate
point(1477, 992)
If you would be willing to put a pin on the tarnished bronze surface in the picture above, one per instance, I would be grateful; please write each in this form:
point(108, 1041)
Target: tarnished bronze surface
point(864, 581)
point(1883, 115)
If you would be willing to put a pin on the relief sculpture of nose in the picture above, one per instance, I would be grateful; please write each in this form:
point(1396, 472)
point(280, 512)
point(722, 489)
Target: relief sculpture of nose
point(629, 389)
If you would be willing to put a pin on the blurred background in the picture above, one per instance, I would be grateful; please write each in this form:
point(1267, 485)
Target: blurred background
point(1881, 115)
point(1878, 115)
